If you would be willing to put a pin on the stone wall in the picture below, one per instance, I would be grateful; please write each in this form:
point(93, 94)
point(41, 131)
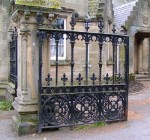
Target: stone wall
point(80, 6)
point(4, 70)
point(6, 88)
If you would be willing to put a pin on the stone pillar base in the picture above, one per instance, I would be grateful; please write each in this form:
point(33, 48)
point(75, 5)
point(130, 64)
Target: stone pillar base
point(25, 119)
point(7, 90)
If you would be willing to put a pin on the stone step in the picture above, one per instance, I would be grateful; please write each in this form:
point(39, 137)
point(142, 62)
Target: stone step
point(142, 77)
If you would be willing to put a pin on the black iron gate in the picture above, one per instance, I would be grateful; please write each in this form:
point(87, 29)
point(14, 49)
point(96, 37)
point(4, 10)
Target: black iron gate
point(102, 99)
point(13, 57)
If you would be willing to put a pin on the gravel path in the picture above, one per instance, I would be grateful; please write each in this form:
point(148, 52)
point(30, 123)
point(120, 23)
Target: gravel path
point(136, 128)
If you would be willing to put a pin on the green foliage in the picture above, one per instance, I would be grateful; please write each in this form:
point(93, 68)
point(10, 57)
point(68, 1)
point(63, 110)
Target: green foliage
point(84, 127)
point(40, 3)
point(132, 77)
point(5, 105)
point(99, 124)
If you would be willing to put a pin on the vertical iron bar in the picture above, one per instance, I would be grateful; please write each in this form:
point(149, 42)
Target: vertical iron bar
point(101, 26)
point(100, 60)
point(16, 60)
point(40, 86)
point(41, 36)
point(72, 60)
point(57, 41)
point(114, 44)
point(126, 75)
point(40, 108)
point(40, 63)
point(113, 63)
point(72, 42)
point(100, 105)
point(72, 110)
point(87, 39)
point(87, 62)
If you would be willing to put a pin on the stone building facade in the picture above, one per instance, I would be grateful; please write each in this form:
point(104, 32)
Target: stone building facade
point(134, 18)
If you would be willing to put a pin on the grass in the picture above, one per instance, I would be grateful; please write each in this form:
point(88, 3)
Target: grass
point(81, 127)
point(5, 105)
point(95, 125)
point(99, 124)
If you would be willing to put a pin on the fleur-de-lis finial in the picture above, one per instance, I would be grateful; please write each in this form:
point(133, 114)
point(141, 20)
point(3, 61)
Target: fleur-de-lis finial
point(87, 23)
point(114, 28)
point(119, 78)
point(79, 78)
point(101, 24)
point(48, 79)
point(93, 78)
point(73, 20)
point(64, 79)
point(107, 78)
point(40, 18)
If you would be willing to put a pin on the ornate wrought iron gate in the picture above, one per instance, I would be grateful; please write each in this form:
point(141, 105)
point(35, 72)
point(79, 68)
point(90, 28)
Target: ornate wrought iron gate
point(13, 57)
point(105, 99)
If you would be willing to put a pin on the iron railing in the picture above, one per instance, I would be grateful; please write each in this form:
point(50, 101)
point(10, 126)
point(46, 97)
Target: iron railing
point(13, 57)
point(81, 101)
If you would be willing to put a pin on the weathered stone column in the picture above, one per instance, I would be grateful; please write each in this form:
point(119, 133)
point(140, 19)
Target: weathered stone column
point(145, 53)
point(131, 55)
point(25, 119)
point(27, 22)
point(23, 87)
point(140, 56)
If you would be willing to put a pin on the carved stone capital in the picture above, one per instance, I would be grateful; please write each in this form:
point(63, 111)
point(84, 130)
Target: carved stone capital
point(24, 33)
point(16, 17)
point(145, 19)
point(27, 14)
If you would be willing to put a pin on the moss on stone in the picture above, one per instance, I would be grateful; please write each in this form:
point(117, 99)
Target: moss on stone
point(39, 3)
point(2, 91)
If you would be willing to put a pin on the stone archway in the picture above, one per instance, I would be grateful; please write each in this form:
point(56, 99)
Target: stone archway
point(137, 25)
point(142, 53)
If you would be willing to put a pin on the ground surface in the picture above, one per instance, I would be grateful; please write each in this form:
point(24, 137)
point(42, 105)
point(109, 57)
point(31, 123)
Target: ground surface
point(136, 128)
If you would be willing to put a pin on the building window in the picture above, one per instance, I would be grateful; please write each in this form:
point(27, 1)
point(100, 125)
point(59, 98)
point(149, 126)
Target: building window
point(109, 45)
point(62, 42)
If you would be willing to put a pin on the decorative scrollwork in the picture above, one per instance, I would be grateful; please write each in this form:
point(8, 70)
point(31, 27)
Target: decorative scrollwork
point(72, 37)
point(56, 110)
point(86, 108)
point(113, 106)
point(87, 38)
point(57, 36)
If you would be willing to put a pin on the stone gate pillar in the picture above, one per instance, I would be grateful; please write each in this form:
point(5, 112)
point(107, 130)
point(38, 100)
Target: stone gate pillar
point(25, 119)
